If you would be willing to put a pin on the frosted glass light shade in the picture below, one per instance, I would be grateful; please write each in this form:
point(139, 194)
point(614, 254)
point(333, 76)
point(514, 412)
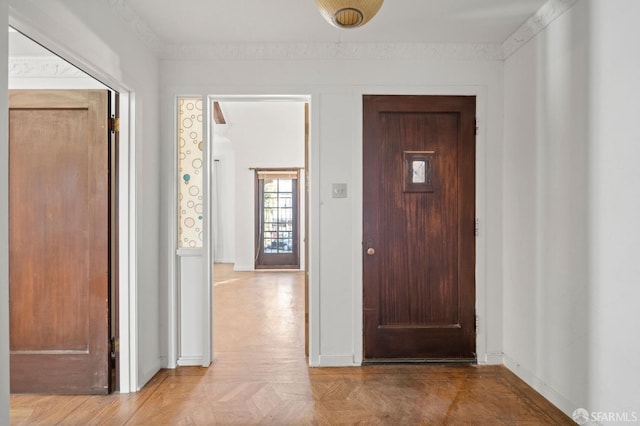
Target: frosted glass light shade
point(348, 13)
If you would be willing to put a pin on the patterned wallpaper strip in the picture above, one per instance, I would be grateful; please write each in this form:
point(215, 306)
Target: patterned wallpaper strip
point(190, 145)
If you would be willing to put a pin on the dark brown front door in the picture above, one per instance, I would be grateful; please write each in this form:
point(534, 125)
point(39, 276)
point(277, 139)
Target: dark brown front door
point(59, 241)
point(419, 224)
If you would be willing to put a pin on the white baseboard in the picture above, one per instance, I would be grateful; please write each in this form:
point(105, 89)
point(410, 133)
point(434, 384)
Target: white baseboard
point(337, 361)
point(495, 358)
point(190, 361)
point(540, 386)
point(164, 363)
point(243, 268)
point(148, 374)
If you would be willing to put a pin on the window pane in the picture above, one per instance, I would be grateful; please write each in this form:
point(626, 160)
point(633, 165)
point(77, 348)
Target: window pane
point(285, 185)
point(270, 185)
point(285, 215)
point(285, 200)
point(285, 227)
point(286, 246)
point(418, 171)
point(270, 200)
point(270, 215)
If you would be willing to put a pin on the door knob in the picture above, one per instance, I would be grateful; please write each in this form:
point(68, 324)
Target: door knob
point(371, 251)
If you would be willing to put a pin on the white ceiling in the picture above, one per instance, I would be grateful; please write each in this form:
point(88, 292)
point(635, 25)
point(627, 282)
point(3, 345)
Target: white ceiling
point(169, 25)
point(197, 22)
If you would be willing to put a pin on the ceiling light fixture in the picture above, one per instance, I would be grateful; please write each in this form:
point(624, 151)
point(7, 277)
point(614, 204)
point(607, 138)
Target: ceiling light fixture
point(348, 13)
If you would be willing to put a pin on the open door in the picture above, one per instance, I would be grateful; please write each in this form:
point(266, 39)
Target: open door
point(59, 241)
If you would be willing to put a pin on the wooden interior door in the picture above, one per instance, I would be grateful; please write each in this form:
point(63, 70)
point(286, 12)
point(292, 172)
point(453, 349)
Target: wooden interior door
point(419, 228)
point(59, 241)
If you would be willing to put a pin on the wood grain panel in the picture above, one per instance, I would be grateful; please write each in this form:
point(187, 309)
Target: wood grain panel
point(419, 288)
point(49, 201)
point(59, 241)
point(421, 227)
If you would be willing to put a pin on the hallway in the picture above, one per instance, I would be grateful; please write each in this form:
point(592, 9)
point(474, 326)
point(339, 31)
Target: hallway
point(260, 376)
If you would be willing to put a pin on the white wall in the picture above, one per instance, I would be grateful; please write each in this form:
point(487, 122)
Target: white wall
point(336, 87)
point(89, 33)
point(4, 221)
point(224, 153)
point(545, 213)
point(615, 202)
point(261, 134)
point(569, 209)
point(546, 218)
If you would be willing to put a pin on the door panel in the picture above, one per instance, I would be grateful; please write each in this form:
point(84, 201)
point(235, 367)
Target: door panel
point(419, 213)
point(59, 241)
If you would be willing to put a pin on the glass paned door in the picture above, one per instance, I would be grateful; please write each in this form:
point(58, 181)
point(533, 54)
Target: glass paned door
point(277, 219)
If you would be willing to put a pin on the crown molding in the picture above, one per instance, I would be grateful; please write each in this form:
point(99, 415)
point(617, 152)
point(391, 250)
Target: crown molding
point(139, 27)
point(42, 67)
point(335, 51)
point(301, 51)
point(540, 20)
point(547, 13)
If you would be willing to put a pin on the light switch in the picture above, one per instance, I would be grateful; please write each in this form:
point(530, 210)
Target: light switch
point(339, 190)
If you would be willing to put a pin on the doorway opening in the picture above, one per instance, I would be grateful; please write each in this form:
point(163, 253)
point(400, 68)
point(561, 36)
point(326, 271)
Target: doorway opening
point(260, 170)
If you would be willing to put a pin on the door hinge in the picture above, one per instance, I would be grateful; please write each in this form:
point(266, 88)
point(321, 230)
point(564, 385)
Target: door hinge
point(114, 124)
point(114, 345)
point(476, 230)
point(477, 324)
point(475, 124)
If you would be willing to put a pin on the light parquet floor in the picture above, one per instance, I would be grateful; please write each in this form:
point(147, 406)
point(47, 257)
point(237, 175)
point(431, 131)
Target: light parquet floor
point(260, 376)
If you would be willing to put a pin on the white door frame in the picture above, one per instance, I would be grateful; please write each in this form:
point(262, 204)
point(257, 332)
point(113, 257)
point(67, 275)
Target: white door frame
point(208, 240)
point(127, 278)
point(196, 346)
